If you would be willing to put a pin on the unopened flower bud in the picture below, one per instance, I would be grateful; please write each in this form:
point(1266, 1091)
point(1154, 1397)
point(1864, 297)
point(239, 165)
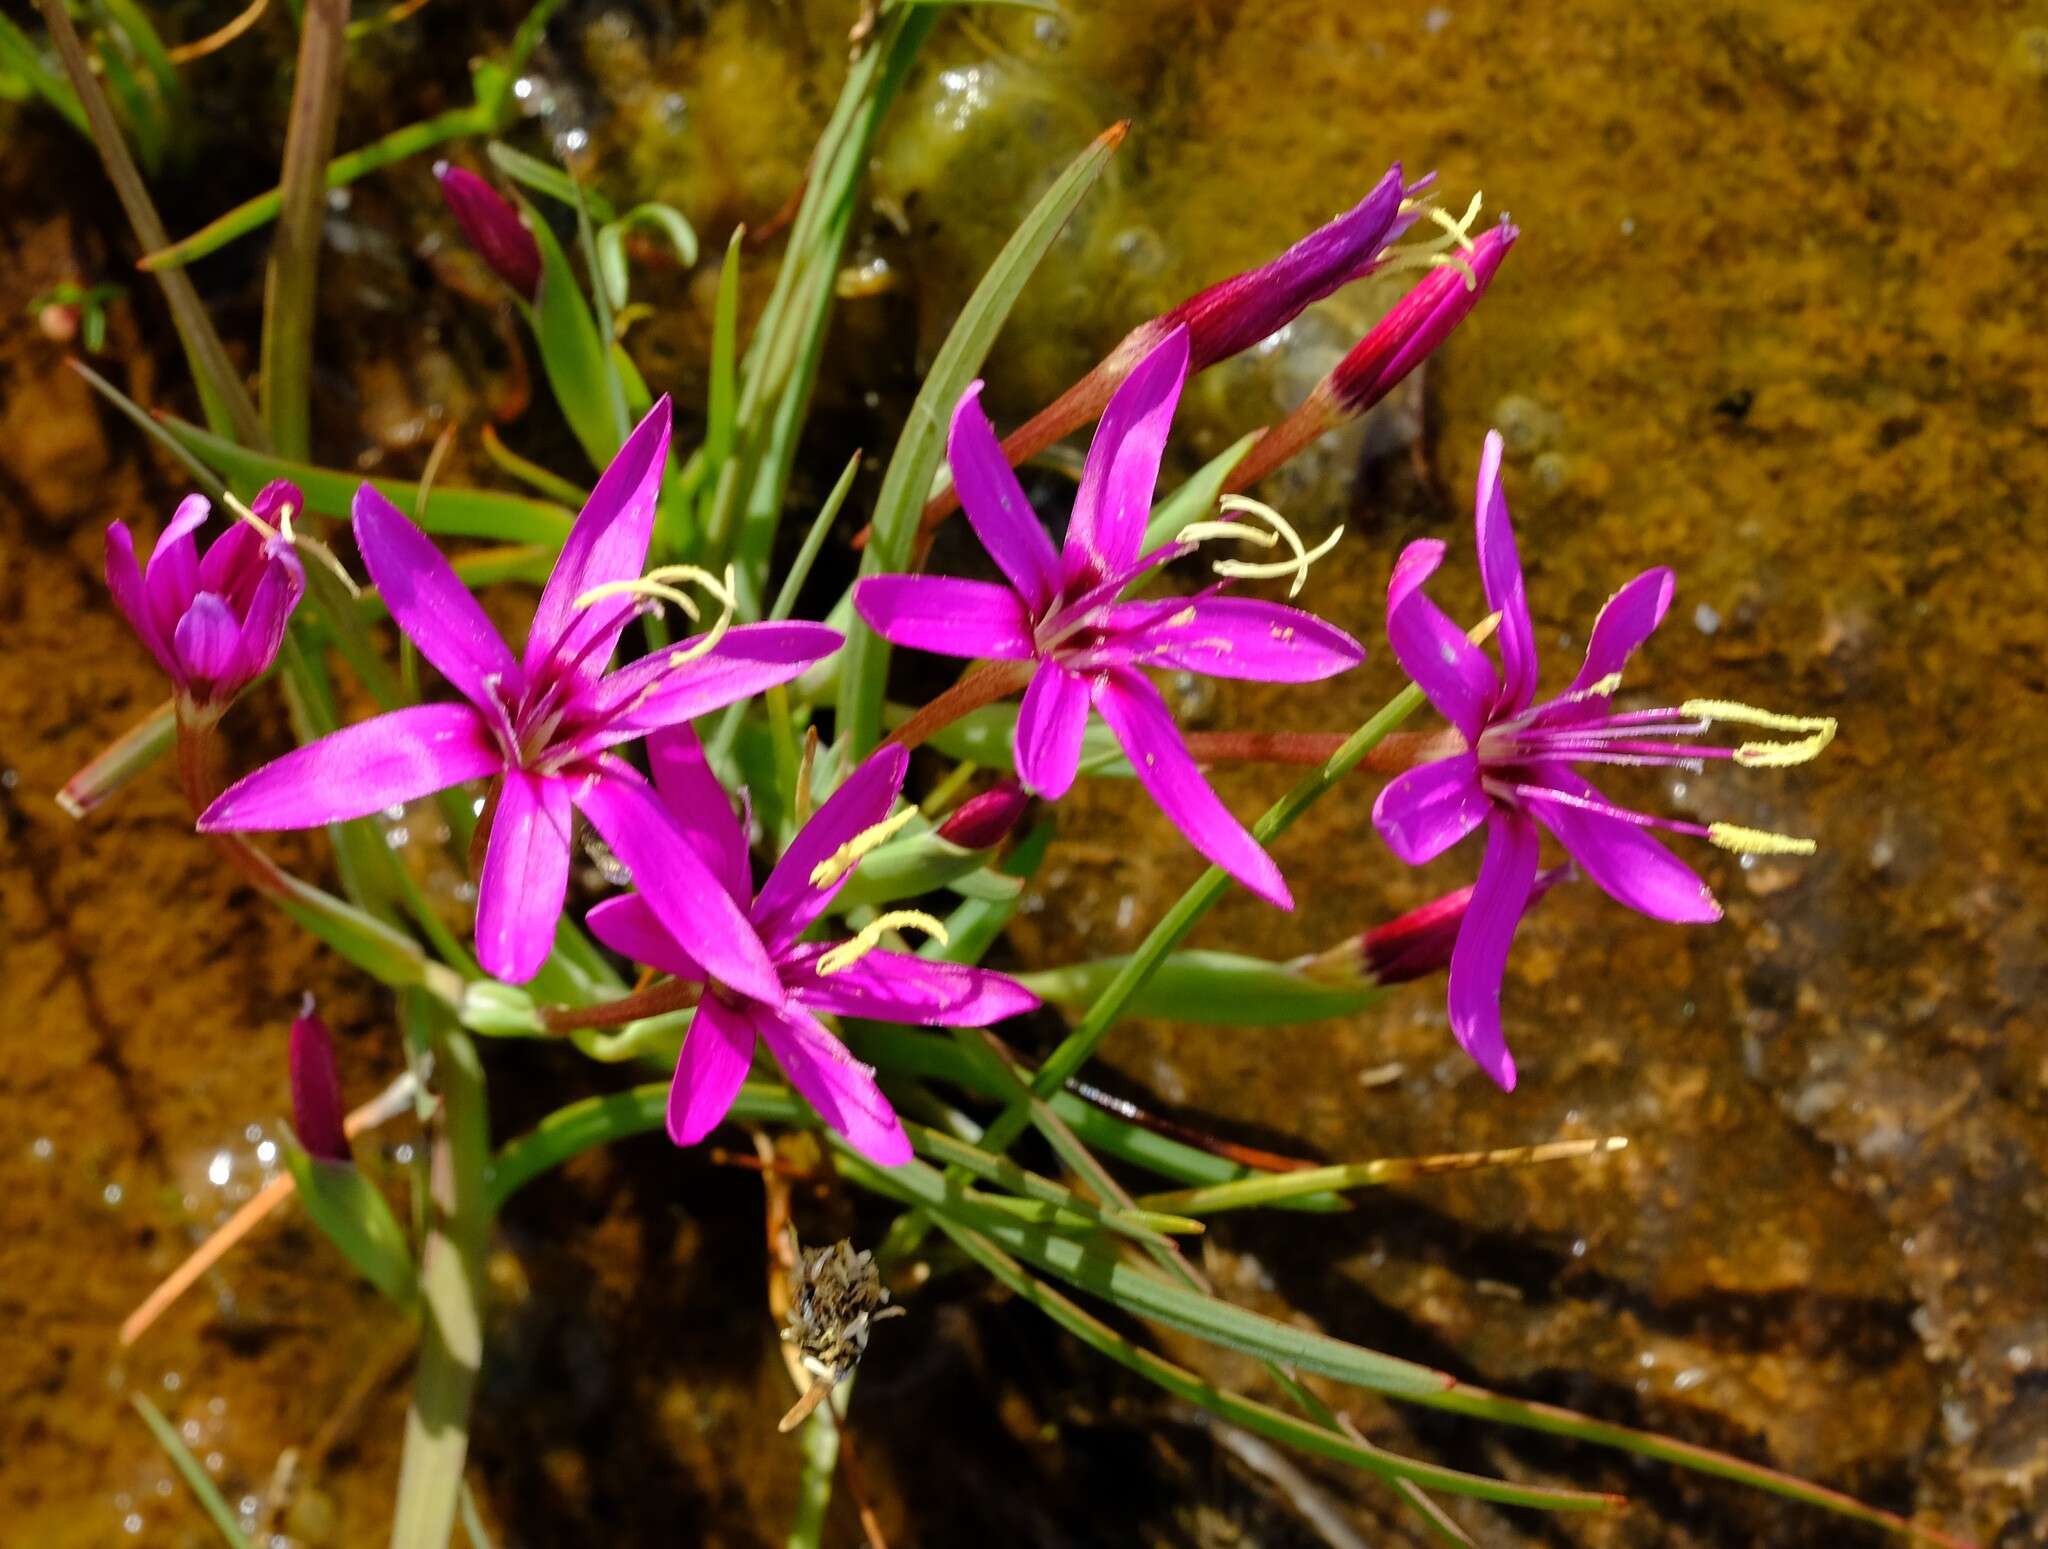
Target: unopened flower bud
point(983, 822)
point(316, 1088)
point(492, 227)
point(1418, 323)
point(1411, 946)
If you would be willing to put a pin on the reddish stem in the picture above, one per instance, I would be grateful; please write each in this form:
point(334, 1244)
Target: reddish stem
point(1397, 751)
point(671, 995)
point(983, 686)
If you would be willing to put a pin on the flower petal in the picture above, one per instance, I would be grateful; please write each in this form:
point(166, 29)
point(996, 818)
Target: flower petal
point(277, 593)
point(1115, 498)
point(429, 602)
point(1141, 722)
point(1239, 637)
point(628, 926)
point(1500, 572)
point(995, 504)
point(230, 564)
point(378, 763)
point(1424, 812)
point(124, 581)
point(717, 1051)
point(1047, 739)
point(690, 904)
point(651, 693)
point(1627, 619)
point(607, 543)
point(207, 640)
point(1480, 958)
point(1431, 649)
point(902, 987)
point(789, 900)
point(945, 616)
point(701, 808)
point(1630, 865)
point(835, 1083)
point(172, 575)
point(525, 877)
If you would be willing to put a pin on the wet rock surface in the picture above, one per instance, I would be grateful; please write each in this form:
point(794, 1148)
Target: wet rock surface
point(1774, 321)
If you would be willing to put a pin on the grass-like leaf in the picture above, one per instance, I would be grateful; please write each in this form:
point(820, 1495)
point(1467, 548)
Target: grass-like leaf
point(354, 1216)
point(196, 1478)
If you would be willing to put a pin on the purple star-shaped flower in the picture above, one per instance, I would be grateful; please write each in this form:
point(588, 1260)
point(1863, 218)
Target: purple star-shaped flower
point(543, 724)
point(214, 623)
point(848, 979)
point(1517, 769)
point(1061, 611)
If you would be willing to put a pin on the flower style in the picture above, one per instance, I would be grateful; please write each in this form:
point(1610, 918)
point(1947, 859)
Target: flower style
point(1517, 769)
point(852, 978)
point(1061, 611)
point(214, 623)
point(543, 725)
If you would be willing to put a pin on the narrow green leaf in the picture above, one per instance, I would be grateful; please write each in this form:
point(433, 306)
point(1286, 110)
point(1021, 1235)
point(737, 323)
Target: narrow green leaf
point(19, 54)
point(1225, 989)
point(347, 1208)
point(544, 177)
point(1196, 498)
point(120, 761)
point(450, 513)
point(909, 477)
point(721, 405)
point(611, 244)
point(196, 1478)
point(572, 351)
point(529, 473)
point(150, 426)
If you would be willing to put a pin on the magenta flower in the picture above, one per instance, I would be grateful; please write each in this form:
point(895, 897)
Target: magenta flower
point(493, 228)
point(543, 725)
point(317, 1117)
point(1061, 611)
point(854, 978)
point(1519, 766)
point(214, 623)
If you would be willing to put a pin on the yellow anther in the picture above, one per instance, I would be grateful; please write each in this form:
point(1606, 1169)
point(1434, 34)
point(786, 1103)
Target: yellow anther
point(1459, 226)
point(1756, 841)
point(283, 532)
point(664, 584)
point(1282, 532)
point(1453, 261)
point(850, 854)
point(849, 952)
point(1819, 730)
point(1437, 250)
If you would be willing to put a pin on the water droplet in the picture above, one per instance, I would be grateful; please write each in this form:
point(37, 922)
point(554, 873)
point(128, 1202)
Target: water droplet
point(1436, 18)
point(42, 1149)
point(220, 1169)
point(266, 1152)
point(402, 1153)
point(111, 1193)
point(253, 1133)
point(132, 1523)
point(173, 1382)
point(1705, 619)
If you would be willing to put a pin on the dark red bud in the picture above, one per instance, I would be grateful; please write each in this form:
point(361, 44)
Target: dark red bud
point(1418, 323)
point(316, 1088)
point(492, 227)
point(1419, 942)
point(983, 822)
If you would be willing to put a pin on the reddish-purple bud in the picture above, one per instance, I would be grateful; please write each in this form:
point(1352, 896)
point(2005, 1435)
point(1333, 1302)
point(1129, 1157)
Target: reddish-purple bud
point(983, 822)
point(1412, 946)
point(1419, 322)
point(316, 1088)
point(492, 227)
point(1234, 314)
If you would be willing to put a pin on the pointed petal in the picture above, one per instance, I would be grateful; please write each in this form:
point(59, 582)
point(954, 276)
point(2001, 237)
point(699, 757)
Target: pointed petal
point(1239, 637)
point(1047, 740)
point(172, 575)
point(429, 602)
point(835, 1083)
point(789, 901)
point(1481, 956)
point(1424, 812)
point(277, 593)
point(1500, 572)
point(525, 877)
point(1623, 859)
point(230, 559)
point(945, 616)
point(901, 987)
point(690, 904)
point(207, 640)
point(629, 927)
point(717, 1051)
point(1115, 498)
point(1629, 618)
point(701, 808)
point(124, 581)
point(608, 543)
point(1431, 649)
point(1139, 717)
point(995, 505)
point(652, 693)
point(378, 763)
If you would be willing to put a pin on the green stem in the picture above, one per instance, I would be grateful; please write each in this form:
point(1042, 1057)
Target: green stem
point(451, 1294)
point(228, 408)
point(819, 1446)
point(288, 289)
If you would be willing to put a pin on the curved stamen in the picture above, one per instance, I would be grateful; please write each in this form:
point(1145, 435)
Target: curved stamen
point(850, 854)
point(1282, 532)
point(283, 533)
point(1820, 731)
point(664, 584)
point(847, 953)
point(1757, 841)
point(1435, 252)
